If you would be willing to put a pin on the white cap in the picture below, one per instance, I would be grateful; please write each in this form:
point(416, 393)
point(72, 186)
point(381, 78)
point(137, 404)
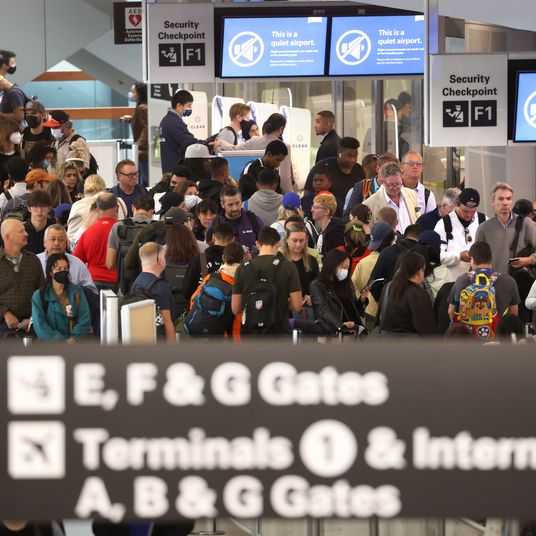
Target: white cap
point(197, 150)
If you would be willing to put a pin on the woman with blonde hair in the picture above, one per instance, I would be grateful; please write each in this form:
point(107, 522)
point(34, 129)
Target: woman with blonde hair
point(10, 138)
point(91, 218)
point(93, 186)
point(295, 249)
point(59, 194)
point(69, 174)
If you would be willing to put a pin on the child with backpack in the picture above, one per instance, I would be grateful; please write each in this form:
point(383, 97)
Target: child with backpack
point(210, 306)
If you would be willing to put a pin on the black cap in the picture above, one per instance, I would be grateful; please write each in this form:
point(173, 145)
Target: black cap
point(470, 198)
point(169, 200)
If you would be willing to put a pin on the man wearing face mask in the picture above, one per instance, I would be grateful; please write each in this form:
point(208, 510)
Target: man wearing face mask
point(174, 134)
point(12, 106)
point(64, 134)
point(239, 113)
point(35, 131)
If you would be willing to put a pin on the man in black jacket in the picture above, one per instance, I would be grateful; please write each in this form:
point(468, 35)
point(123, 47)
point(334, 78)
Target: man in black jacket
point(387, 261)
point(324, 126)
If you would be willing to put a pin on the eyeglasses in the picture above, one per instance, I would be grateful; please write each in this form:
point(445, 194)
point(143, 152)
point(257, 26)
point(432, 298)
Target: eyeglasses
point(393, 185)
point(468, 237)
point(129, 175)
point(413, 163)
point(316, 207)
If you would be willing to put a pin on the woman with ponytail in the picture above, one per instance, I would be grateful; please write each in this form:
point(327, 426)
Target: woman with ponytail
point(405, 307)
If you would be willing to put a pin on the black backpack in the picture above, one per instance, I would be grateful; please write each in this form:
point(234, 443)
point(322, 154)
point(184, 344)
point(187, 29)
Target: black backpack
point(260, 299)
point(139, 293)
point(126, 233)
point(174, 276)
point(20, 212)
point(212, 139)
point(211, 309)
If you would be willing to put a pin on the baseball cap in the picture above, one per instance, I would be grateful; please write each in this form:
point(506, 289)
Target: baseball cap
point(176, 215)
point(379, 232)
point(197, 150)
point(469, 197)
point(34, 106)
point(56, 118)
point(291, 201)
point(62, 211)
point(429, 238)
point(170, 200)
point(37, 175)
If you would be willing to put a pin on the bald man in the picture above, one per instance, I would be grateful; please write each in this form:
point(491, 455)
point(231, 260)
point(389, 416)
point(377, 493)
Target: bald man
point(20, 276)
point(412, 167)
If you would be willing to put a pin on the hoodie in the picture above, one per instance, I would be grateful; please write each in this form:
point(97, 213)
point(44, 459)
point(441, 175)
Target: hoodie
point(265, 204)
point(333, 236)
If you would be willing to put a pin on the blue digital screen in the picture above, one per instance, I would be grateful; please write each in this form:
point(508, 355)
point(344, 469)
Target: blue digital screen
point(525, 123)
point(264, 47)
point(377, 45)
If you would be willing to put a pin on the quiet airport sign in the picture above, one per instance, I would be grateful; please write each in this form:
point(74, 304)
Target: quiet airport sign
point(267, 430)
point(468, 100)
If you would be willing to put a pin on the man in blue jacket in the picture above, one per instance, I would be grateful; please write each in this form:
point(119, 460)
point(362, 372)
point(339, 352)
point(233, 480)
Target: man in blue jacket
point(174, 134)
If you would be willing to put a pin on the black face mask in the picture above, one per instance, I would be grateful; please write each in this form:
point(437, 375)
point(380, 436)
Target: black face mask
point(11, 70)
point(33, 122)
point(62, 277)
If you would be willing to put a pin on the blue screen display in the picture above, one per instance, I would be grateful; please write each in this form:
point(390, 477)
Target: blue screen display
point(377, 45)
point(263, 47)
point(525, 125)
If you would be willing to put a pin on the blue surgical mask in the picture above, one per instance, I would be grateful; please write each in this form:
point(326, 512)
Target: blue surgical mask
point(187, 113)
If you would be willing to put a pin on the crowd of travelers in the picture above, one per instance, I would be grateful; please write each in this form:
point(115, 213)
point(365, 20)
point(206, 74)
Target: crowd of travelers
point(365, 250)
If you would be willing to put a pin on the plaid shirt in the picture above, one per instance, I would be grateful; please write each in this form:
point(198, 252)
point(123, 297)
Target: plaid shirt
point(16, 288)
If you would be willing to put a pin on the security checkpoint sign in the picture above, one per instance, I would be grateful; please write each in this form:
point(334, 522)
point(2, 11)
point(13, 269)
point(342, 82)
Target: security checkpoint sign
point(249, 431)
point(468, 100)
point(180, 41)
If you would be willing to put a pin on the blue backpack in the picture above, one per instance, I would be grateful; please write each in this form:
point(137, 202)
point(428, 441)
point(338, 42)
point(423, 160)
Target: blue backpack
point(211, 309)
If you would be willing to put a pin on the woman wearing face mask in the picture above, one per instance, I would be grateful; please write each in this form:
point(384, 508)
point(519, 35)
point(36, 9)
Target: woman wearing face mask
point(332, 294)
point(138, 123)
point(10, 138)
point(59, 309)
point(189, 190)
point(41, 156)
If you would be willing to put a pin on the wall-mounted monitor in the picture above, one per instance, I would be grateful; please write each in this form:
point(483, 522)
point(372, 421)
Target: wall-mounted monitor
point(266, 47)
point(387, 45)
point(525, 109)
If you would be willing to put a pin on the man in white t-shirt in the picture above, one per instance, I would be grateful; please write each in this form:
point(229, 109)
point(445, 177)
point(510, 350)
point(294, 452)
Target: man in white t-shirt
point(458, 230)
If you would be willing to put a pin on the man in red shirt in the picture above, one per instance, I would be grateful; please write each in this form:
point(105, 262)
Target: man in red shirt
point(93, 244)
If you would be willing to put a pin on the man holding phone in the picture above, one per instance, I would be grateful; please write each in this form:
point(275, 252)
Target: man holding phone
point(500, 232)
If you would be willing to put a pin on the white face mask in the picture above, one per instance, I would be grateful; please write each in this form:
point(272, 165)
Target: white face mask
point(190, 201)
point(15, 138)
point(132, 97)
point(57, 133)
point(342, 274)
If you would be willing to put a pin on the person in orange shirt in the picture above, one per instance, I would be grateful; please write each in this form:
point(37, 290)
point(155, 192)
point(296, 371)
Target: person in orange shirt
point(227, 324)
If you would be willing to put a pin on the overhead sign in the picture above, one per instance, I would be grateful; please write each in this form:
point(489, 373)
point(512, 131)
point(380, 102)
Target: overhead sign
point(468, 100)
point(128, 18)
point(276, 46)
point(267, 430)
point(180, 42)
point(377, 45)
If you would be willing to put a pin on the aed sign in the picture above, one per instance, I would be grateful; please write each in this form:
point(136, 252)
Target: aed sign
point(180, 43)
point(468, 100)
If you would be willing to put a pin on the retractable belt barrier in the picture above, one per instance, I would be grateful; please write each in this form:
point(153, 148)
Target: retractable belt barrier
point(263, 430)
